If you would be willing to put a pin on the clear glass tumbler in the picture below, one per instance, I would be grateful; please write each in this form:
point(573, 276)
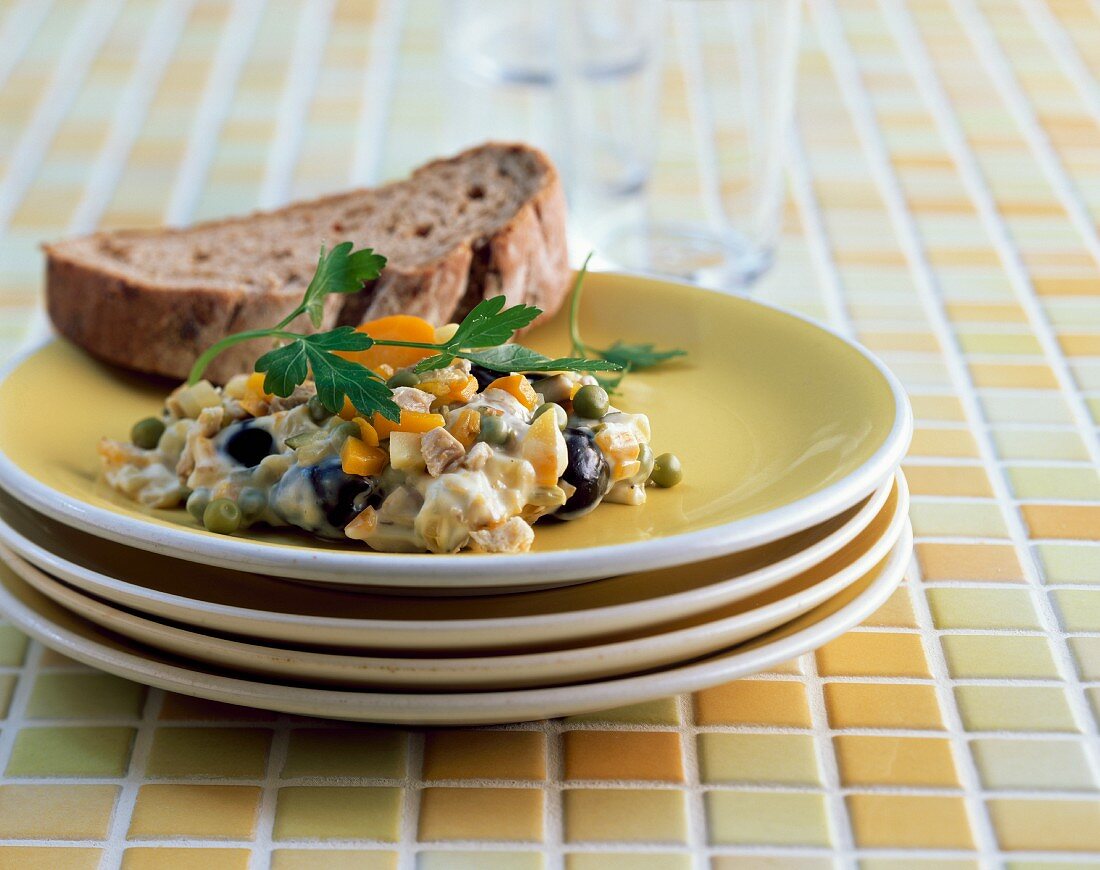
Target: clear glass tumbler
point(711, 88)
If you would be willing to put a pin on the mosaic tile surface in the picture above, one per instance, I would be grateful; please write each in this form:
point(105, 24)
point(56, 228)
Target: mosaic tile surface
point(944, 208)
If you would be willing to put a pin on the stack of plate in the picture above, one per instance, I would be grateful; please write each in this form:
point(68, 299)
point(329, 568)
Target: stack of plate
point(791, 527)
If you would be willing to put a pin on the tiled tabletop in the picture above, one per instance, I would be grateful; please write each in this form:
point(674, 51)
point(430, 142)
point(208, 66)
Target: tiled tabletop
point(944, 208)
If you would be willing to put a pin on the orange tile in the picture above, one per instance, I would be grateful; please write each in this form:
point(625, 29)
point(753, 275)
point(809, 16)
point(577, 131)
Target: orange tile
point(986, 312)
point(997, 562)
point(938, 408)
point(948, 480)
point(908, 761)
point(1013, 376)
point(897, 612)
point(909, 821)
point(1080, 522)
point(1067, 286)
point(484, 755)
point(1047, 825)
point(919, 342)
point(882, 705)
point(963, 257)
point(955, 443)
point(649, 755)
point(873, 654)
point(1083, 344)
point(208, 811)
point(754, 702)
point(481, 814)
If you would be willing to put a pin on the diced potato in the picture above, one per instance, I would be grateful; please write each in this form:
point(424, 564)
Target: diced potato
point(405, 454)
point(544, 447)
point(360, 528)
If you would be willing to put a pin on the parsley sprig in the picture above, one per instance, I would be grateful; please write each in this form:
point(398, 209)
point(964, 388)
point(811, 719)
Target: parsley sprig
point(626, 356)
point(480, 338)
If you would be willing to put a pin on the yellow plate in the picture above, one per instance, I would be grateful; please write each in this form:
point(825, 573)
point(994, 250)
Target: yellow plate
point(780, 424)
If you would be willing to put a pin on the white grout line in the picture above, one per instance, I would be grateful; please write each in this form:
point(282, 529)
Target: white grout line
point(695, 811)
point(306, 58)
point(408, 837)
point(1015, 100)
point(553, 810)
point(260, 855)
point(221, 86)
point(379, 85)
point(20, 26)
point(88, 34)
point(931, 90)
point(1065, 53)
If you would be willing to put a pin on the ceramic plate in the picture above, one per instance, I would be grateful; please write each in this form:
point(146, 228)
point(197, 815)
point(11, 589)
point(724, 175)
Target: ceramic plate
point(676, 642)
point(780, 424)
point(77, 638)
point(219, 599)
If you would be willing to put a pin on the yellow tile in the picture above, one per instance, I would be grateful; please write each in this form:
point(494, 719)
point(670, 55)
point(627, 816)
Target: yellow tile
point(909, 821)
point(986, 312)
point(56, 812)
point(237, 753)
point(626, 861)
point(49, 858)
point(873, 654)
point(162, 858)
point(909, 761)
point(1080, 608)
point(661, 712)
point(311, 812)
point(1039, 444)
point(756, 758)
point(763, 862)
point(897, 612)
point(771, 818)
point(1069, 563)
point(916, 864)
point(1080, 344)
point(1046, 825)
point(1008, 656)
point(948, 480)
point(1012, 343)
point(1062, 521)
point(185, 709)
point(938, 408)
point(484, 755)
point(333, 859)
point(1086, 650)
point(910, 342)
point(472, 860)
point(1005, 406)
point(958, 519)
point(958, 607)
point(227, 811)
point(793, 667)
point(631, 815)
point(1014, 708)
point(969, 562)
point(351, 751)
point(1066, 285)
point(754, 702)
point(480, 814)
point(1013, 376)
point(882, 705)
point(955, 443)
point(643, 755)
point(1032, 764)
point(1066, 484)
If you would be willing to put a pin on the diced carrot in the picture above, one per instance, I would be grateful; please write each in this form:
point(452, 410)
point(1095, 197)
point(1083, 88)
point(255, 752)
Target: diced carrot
point(396, 327)
point(411, 421)
point(519, 387)
point(255, 385)
point(544, 447)
point(359, 459)
point(466, 427)
point(367, 432)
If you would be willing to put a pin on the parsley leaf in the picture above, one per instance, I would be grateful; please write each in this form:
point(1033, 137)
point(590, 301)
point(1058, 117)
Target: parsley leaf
point(489, 323)
point(639, 356)
point(285, 368)
point(517, 358)
point(339, 271)
point(337, 377)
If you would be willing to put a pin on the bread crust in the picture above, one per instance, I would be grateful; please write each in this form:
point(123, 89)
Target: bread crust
point(161, 329)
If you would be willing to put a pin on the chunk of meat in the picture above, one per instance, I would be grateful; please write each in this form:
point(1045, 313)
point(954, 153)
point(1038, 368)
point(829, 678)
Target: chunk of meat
point(513, 536)
point(440, 448)
point(412, 399)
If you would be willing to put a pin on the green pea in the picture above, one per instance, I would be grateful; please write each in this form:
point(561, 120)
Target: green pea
point(645, 462)
point(557, 410)
point(591, 402)
point(318, 413)
point(667, 470)
point(197, 502)
point(403, 378)
point(146, 433)
point(252, 503)
point(494, 430)
point(222, 516)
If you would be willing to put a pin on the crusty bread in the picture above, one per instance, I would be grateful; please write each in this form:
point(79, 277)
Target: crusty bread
point(490, 220)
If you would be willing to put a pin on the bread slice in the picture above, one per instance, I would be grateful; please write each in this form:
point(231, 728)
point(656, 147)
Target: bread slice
point(490, 220)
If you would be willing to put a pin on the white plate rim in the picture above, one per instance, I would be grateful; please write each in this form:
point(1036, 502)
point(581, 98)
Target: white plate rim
point(562, 666)
point(453, 634)
point(463, 708)
point(368, 568)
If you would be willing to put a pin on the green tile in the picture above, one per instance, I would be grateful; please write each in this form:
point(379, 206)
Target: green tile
point(230, 753)
point(662, 712)
point(85, 695)
point(758, 758)
point(338, 813)
point(352, 752)
point(480, 861)
point(628, 861)
point(1071, 484)
point(1014, 708)
point(1068, 563)
point(333, 859)
point(954, 518)
point(982, 608)
point(979, 656)
point(1080, 608)
point(13, 646)
point(71, 752)
point(771, 818)
point(1032, 764)
point(7, 686)
point(1039, 444)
